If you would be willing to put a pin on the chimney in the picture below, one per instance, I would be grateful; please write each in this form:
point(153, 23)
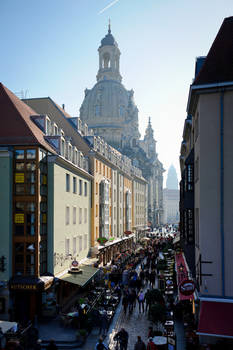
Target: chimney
point(63, 106)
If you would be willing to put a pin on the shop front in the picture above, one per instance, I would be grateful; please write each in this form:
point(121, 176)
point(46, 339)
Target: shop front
point(27, 295)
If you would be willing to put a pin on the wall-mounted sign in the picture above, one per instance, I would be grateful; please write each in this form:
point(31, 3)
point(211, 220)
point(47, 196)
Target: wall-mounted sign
point(23, 286)
point(19, 218)
point(74, 263)
point(19, 177)
point(187, 287)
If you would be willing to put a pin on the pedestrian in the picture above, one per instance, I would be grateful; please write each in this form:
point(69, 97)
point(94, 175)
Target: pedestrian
point(150, 333)
point(104, 323)
point(122, 337)
point(52, 345)
point(141, 299)
point(100, 345)
point(151, 345)
point(125, 302)
point(139, 345)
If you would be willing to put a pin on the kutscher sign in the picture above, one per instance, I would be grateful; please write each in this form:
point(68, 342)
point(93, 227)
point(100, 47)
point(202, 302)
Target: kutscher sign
point(187, 287)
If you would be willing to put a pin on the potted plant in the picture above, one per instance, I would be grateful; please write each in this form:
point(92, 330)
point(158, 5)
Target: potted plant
point(102, 240)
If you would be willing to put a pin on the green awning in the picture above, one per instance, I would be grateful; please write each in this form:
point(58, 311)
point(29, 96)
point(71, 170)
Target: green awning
point(82, 278)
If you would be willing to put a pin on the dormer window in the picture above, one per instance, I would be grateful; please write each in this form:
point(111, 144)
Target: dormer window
point(48, 126)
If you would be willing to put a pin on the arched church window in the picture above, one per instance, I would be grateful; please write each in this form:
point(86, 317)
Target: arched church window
point(97, 110)
point(121, 110)
point(106, 58)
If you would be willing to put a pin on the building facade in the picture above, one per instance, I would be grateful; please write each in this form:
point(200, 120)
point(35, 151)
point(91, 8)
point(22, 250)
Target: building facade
point(208, 129)
point(109, 109)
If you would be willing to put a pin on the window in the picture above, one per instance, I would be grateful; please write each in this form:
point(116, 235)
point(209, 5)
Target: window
point(85, 215)
point(80, 215)
point(31, 153)
point(85, 241)
point(96, 210)
point(67, 215)
point(80, 243)
point(19, 154)
point(96, 166)
point(74, 246)
point(67, 183)
point(67, 246)
point(85, 189)
point(74, 215)
point(97, 110)
point(80, 187)
point(74, 185)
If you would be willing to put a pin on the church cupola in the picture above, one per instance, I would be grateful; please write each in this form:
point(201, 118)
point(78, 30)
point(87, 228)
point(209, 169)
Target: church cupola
point(109, 58)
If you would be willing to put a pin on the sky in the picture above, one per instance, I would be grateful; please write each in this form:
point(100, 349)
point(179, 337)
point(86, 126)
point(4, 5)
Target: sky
point(49, 48)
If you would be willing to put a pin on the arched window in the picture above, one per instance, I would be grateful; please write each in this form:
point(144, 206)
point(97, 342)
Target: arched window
point(97, 110)
point(106, 58)
point(121, 110)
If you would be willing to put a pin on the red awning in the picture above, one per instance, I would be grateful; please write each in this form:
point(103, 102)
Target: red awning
point(216, 319)
point(181, 274)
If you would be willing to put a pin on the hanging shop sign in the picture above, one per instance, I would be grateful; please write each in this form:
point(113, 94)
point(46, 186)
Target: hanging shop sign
point(187, 287)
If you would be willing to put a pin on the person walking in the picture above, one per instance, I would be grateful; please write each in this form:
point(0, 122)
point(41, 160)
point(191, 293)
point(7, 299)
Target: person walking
point(141, 299)
point(125, 302)
point(122, 337)
point(100, 345)
point(139, 345)
point(104, 323)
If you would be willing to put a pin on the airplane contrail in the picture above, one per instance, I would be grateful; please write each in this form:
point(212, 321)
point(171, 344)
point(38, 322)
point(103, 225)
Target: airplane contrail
point(109, 5)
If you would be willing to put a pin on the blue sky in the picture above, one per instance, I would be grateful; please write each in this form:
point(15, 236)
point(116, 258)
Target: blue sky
point(49, 48)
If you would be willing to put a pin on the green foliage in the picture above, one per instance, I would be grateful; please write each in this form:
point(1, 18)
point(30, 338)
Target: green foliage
point(154, 296)
point(157, 313)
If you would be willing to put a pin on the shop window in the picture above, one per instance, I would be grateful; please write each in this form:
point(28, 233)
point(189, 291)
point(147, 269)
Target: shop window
point(30, 206)
point(19, 206)
point(19, 154)
point(31, 153)
point(31, 230)
point(30, 166)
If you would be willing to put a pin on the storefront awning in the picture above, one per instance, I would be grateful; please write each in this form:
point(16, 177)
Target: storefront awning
point(81, 279)
point(6, 326)
point(216, 319)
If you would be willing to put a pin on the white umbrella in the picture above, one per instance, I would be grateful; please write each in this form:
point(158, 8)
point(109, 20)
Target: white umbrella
point(160, 340)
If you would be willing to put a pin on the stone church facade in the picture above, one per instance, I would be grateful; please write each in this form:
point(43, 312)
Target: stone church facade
point(109, 109)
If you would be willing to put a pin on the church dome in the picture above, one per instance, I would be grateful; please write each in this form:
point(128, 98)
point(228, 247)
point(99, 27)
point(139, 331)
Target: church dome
point(108, 102)
point(108, 40)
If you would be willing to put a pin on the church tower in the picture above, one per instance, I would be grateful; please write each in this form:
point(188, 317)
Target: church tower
point(109, 58)
point(108, 108)
point(149, 142)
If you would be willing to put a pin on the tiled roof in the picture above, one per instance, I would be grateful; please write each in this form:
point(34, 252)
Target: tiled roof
point(218, 66)
point(17, 128)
